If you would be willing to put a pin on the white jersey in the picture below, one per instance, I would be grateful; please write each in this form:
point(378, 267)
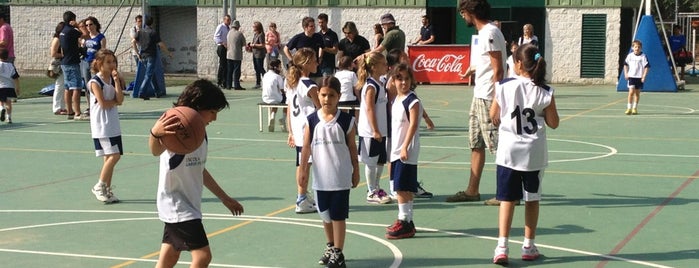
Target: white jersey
point(489, 39)
point(104, 123)
point(300, 106)
point(636, 64)
point(364, 129)
point(522, 132)
point(332, 162)
point(400, 122)
point(180, 185)
point(272, 87)
point(347, 81)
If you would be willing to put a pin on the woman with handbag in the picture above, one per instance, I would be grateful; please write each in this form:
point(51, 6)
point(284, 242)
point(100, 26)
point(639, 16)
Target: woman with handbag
point(59, 90)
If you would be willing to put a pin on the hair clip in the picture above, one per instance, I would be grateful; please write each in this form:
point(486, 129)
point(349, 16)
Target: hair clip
point(537, 56)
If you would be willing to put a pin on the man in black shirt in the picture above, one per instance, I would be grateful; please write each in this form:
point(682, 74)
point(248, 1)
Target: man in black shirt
point(330, 41)
point(70, 64)
point(308, 38)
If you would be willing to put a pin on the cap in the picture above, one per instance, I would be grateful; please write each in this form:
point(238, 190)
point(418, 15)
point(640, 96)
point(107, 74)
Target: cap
point(387, 18)
point(235, 24)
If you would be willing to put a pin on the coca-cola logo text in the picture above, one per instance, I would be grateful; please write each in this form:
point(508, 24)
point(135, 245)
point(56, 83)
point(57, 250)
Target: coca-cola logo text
point(449, 63)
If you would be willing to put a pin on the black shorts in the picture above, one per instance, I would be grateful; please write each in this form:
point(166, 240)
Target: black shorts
point(635, 83)
point(337, 202)
point(188, 235)
point(404, 176)
point(7, 93)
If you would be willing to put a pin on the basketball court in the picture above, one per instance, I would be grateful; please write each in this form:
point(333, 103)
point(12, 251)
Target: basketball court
point(620, 191)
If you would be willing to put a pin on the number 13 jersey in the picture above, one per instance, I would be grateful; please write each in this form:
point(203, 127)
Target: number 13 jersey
point(522, 141)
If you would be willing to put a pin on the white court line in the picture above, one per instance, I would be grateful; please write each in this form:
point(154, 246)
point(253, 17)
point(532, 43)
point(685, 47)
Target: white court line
point(284, 220)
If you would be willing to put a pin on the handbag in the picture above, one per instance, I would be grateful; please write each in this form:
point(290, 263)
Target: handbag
point(54, 68)
point(684, 57)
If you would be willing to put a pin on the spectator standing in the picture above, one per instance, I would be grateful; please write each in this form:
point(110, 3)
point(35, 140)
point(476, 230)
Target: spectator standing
point(490, 61)
point(7, 37)
point(93, 41)
point(272, 43)
point(528, 36)
point(426, 32)
point(353, 44)
point(308, 38)
point(59, 89)
point(378, 35)
point(149, 41)
point(138, 23)
point(70, 63)
point(259, 52)
point(220, 38)
point(330, 46)
point(234, 55)
point(394, 37)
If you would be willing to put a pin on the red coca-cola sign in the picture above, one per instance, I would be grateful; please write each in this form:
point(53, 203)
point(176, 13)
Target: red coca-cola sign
point(440, 64)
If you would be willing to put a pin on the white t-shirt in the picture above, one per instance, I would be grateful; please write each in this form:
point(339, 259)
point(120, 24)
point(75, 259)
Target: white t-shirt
point(104, 123)
point(489, 39)
point(636, 64)
point(180, 184)
point(400, 122)
point(364, 129)
point(272, 87)
point(347, 81)
point(300, 106)
point(332, 163)
point(522, 131)
point(510, 67)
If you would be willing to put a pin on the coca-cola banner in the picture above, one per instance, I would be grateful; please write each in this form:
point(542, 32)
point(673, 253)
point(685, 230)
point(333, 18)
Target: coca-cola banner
point(440, 64)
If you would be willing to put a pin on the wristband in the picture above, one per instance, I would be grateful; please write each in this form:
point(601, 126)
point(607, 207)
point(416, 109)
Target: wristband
point(154, 136)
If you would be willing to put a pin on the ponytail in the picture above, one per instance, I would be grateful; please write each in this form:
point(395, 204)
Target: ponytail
point(533, 63)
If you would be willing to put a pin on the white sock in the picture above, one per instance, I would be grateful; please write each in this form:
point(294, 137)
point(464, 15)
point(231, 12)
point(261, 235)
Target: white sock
point(635, 104)
point(410, 211)
point(528, 242)
point(404, 212)
point(379, 171)
point(502, 242)
point(271, 116)
point(371, 181)
point(628, 105)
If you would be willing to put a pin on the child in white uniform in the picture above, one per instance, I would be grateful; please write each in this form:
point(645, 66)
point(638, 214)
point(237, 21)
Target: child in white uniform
point(273, 93)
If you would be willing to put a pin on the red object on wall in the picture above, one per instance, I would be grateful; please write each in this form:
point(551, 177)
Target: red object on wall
point(440, 64)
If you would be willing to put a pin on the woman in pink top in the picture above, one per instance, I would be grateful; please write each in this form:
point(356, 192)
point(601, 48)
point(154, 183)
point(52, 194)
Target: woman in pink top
point(272, 43)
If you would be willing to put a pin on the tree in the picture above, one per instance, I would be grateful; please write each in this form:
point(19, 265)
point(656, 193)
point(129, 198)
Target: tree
point(667, 7)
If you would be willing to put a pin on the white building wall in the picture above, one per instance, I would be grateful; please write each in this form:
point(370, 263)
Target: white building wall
point(563, 39)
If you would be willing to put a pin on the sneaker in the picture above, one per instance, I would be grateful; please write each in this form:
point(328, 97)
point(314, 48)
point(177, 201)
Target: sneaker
point(100, 192)
point(461, 196)
point(421, 192)
point(400, 229)
point(2, 115)
point(111, 198)
point(82, 117)
point(634, 111)
point(393, 196)
point(305, 206)
point(495, 202)
point(270, 125)
point(627, 112)
point(337, 259)
point(326, 254)
point(378, 197)
point(71, 116)
point(530, 253)
point(500, 255)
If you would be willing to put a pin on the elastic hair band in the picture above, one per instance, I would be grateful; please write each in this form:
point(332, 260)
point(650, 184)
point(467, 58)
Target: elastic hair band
point(537, 56)
point(367, 60)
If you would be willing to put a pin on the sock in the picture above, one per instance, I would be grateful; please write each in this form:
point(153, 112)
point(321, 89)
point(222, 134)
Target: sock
point(502, 242)
point(379, 171)
point(628, 105)
point(403, 211)
point(370, 174)
point(528, 242)
point(272, 114)
point(300, 197)
point(635, 104)
point(410, 211)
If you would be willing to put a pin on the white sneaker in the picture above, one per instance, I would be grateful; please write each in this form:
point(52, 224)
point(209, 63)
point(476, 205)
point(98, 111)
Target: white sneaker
point(393, 196)
point(306, 206)
point(378, 197)
point(111, 198)
point(530, 253)
point(100, 192)
point(500, 255)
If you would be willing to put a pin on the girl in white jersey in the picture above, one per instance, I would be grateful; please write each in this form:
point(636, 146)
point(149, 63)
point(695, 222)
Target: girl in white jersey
point(182, 178)
point(106, 88)
point(329, 138)
point(522, 108)
point(372, 127)
point(302, 97)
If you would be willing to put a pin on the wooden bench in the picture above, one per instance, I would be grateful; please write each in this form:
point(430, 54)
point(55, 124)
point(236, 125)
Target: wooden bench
point(262, 105)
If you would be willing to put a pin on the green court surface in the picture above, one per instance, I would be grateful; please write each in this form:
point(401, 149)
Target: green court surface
point(620, 191)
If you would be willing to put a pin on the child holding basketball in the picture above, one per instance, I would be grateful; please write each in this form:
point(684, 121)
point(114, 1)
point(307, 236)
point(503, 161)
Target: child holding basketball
point(9, 85)
point(302, 97)
point(182, 178)
point(329, 138)
point(106, 94)
point(522, 108)
point(273, 92)
point(372, 125)
point(635, 70)
point(406, 113)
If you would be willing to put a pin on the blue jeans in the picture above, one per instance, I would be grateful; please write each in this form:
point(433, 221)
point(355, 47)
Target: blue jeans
point(233, 75)
point(72, 76)
point(147, 89)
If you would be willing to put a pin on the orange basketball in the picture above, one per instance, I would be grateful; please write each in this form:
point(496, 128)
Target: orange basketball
point(190, 131)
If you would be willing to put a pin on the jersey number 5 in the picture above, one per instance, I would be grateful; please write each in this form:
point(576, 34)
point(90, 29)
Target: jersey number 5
point(528, 114)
